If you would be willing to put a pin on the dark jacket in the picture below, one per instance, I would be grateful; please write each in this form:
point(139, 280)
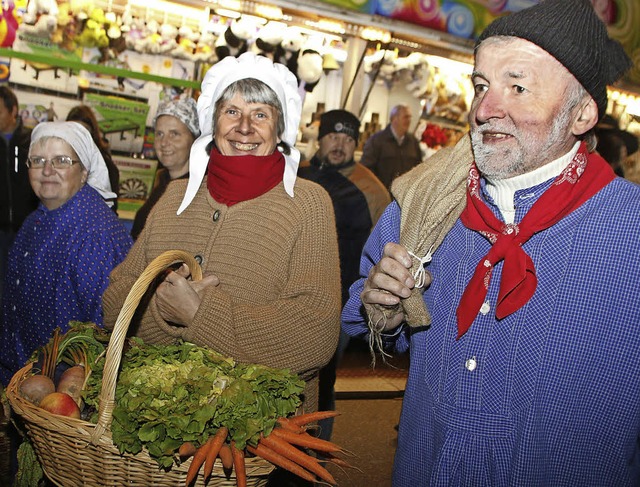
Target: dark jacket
point(359, 199)
point(163, 178)
point(388, 159)
point(17, 199)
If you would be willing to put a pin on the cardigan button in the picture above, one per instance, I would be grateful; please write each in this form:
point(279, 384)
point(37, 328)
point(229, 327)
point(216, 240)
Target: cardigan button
point(198, 258)
point(216, 215)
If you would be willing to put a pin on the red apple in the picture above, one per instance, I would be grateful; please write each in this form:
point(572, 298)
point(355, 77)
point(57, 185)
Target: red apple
point(60, 403)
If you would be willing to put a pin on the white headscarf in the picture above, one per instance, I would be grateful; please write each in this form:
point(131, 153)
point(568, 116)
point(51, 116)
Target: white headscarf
point(218, 78)
point(78, 137)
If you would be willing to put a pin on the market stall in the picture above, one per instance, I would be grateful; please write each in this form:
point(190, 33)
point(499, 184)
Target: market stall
point(365, 57)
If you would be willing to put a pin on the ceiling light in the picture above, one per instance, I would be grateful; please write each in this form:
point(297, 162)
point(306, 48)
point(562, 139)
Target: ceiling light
point(269, 12)
point(225, 12)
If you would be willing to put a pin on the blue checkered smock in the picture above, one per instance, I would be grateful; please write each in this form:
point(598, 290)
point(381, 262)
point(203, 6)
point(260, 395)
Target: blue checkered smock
point(549, 396)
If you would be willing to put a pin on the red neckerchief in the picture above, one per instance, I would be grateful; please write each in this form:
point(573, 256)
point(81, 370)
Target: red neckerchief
point(232, 179)
point(581, 179)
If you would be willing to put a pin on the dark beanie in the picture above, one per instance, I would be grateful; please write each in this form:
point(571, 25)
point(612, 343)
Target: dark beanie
point(570, 31)
point(341, 122)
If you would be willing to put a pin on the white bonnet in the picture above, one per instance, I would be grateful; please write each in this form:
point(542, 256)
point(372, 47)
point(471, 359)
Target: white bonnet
point(229, 70)
point(78, 137)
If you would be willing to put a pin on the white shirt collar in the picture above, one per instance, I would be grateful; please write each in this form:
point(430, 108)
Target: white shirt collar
point(503, 190)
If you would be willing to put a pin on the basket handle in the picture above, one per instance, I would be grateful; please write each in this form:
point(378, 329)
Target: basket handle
point(119, 334)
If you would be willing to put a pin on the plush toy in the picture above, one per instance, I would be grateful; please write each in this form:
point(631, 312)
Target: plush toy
point(168, 34)
point(81, 9)
point(45, 26)
point(186, 43)
point(8, 25)
point(149, 42)
point(93, 33)
point(63, 20)
point(235, 39)
point(133, 29)
point(421, 79)
point(380, 65)
point(204, 50)
point(36, 8)
point(309, 69)
point(268, 39)
point(113, 26)
point(289, 49)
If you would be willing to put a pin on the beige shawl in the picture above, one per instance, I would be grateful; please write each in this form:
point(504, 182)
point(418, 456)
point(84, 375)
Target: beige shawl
point(431, 197)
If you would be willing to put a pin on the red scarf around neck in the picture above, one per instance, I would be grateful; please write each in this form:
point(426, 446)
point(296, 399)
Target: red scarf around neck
point(232, 179)
point(581, 179)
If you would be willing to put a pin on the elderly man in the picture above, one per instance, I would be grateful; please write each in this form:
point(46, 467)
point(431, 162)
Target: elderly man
point(523, 368)
point(394, 150)
point(359, 198)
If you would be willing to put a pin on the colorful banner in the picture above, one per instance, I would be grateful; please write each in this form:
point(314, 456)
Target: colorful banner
point(468, 18)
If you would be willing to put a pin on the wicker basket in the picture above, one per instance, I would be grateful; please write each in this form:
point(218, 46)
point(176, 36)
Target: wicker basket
point(78, 453)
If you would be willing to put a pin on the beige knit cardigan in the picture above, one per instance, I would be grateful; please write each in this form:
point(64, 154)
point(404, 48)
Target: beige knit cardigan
point(278, 302)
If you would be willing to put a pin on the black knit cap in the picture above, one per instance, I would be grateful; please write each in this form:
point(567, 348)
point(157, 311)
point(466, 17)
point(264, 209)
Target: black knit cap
point(572, 32)
point(339, 121)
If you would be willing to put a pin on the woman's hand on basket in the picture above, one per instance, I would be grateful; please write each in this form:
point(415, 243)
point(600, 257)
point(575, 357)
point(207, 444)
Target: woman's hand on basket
point(178, 298)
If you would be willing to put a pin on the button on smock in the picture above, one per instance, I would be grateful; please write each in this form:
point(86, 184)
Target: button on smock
point(471, 364)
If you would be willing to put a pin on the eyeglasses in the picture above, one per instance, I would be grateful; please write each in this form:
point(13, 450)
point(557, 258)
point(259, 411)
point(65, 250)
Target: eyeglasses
point(57, 162)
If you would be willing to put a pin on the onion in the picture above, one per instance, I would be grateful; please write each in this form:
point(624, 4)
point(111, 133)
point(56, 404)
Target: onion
point(36, 387)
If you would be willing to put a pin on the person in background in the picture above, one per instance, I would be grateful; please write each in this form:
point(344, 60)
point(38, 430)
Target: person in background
point(60, 261)
point(17, 199)
point(613, 150)
point(176, 128)
point(523, 347)
point(265, 239)
point(394, 150)
point(614, 144)
point(84, 114)
point(359, 198)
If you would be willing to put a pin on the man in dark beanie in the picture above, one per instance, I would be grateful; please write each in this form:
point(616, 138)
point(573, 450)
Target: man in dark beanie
point(509, 267)
point(359, 198)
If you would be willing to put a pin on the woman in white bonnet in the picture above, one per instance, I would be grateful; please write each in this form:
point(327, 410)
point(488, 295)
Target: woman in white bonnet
point(266, 241)
point(60, 261)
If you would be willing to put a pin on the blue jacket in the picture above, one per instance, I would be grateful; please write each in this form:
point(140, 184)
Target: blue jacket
point(58, 268)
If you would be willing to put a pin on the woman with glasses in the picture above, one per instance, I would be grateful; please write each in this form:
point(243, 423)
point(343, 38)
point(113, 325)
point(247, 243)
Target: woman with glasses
point(61, 258)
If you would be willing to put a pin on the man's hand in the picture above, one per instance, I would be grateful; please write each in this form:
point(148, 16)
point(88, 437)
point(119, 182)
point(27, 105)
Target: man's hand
point(178, 298)
point(388, 282)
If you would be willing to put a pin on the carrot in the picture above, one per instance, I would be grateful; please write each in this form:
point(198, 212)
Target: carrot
point(268, 454)
point(287, 424)
point(307, 418)
point(287, 450)
point(186, 450)
point(196, 462)
point(329, 457)
point(238, 465)
point(217, 441)
point(225, 457)
point(306, 440)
